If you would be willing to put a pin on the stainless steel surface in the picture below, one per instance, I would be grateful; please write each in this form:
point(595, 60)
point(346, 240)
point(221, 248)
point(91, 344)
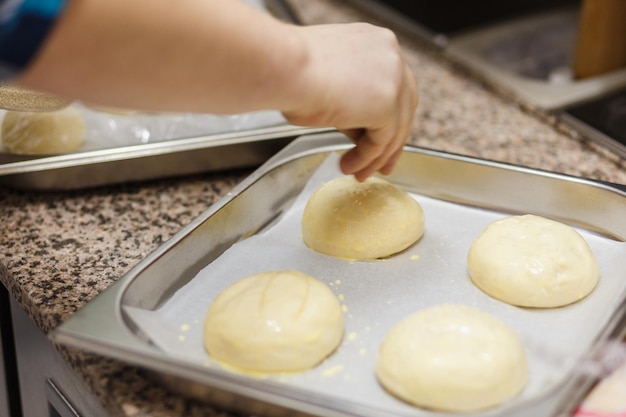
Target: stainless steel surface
point(4, 394)
point(269, 194)
point(38, 362)
point(10, 403)
point(438, 22)
point(147, 161)
point(602, 120)
point(594, 134)
point(537, 42)
point(402, 21)
point(58, 404)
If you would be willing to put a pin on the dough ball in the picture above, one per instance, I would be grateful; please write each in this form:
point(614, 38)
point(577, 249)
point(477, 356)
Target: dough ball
point(46, 133)
point(279, 321)
point(532, 261)
point(453, 358)
point(361, 220)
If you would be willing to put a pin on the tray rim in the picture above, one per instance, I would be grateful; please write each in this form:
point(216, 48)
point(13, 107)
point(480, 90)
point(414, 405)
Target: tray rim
point(165, 159)
point(46, 163)
point(117, 341)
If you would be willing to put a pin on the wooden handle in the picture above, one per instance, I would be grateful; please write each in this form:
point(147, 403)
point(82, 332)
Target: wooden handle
point(601, 41)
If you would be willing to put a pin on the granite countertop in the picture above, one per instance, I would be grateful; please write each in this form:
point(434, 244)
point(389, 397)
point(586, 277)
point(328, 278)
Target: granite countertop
point(59, 250)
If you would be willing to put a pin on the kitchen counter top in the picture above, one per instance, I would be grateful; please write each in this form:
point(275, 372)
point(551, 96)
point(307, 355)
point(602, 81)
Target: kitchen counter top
point(59, 250)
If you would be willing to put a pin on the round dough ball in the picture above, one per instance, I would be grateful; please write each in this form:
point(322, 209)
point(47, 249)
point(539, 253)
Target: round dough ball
point(279, 321)
point(531, 261)
point(453, 358)
point(361, 220)
point(46, 133)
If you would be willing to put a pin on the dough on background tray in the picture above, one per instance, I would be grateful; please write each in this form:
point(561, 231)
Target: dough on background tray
point(42, 133)
point(452, 358)
point(531, 261)
point(276, 321)
point(361, 220)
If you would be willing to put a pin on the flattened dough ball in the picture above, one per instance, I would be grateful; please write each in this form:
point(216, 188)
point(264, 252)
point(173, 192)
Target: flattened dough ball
point(279, 321)
point(361, 220)
point(45, 133)
point(453, 358)
point(532, 261)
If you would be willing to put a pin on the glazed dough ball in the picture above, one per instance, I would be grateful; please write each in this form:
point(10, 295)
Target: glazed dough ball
point(361, 220)
point(279, 321)
point(532, 261)
point(453, 358)
point(44, 133)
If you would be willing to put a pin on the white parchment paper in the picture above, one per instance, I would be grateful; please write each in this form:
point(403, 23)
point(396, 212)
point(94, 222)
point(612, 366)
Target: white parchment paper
point(105, 130)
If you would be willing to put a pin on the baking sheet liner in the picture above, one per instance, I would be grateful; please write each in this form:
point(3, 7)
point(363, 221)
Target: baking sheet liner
point(108, 129)
point(375, 295)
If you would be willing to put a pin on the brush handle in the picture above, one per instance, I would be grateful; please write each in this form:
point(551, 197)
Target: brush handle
point(601, 41)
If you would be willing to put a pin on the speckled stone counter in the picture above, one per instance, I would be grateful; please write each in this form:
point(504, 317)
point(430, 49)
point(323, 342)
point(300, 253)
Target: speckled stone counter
point(59, 250)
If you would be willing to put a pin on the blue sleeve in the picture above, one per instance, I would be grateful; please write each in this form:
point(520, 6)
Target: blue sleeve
point(24, 25)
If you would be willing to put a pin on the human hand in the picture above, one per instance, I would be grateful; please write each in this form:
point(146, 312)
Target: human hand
point(356, 80)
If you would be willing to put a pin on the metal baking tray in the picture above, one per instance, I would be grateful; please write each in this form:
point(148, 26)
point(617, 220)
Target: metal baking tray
point(163, 159)
point(602, 120)
point(437, 23)
point(531, 58)
point(459, 195)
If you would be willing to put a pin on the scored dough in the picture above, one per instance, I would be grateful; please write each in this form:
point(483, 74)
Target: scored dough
point(45, 133)
point(361, 220)
point(532, 261)
point(278, 321)
point(452, 357)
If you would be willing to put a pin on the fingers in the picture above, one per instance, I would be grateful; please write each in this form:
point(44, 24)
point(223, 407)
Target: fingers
point(391, 163)
point(377, 150)
point(369, 156)
point(410, 103)
point(356, 80)
point(361, 160)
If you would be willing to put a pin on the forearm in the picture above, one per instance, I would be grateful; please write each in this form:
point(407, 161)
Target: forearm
point(212, 56)
point(223, 56)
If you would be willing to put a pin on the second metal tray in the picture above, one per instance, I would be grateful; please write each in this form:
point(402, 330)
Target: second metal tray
point(454, 185)
point(164, 159)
